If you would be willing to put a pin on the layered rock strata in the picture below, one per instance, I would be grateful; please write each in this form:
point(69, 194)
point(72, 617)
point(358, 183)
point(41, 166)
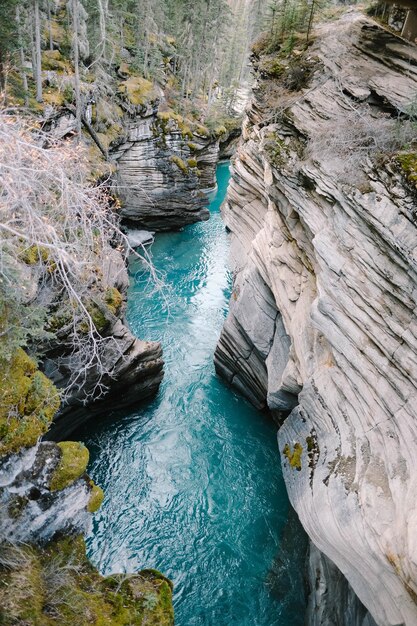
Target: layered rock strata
point(158, 188)
point(323, 309)
point(332, 600)
point(163, 168)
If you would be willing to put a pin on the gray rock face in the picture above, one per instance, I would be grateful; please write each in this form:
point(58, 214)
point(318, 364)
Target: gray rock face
point(161, 172)
point(331, 599)
point(133, 368)
point(330, 251)
point(30, 510)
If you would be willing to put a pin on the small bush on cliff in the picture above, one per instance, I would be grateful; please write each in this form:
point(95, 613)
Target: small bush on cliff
point(360, 134)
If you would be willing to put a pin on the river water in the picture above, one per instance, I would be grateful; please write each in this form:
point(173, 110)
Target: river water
point(192, 479)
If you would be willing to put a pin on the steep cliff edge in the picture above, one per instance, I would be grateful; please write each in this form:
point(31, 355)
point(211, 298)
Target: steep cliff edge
point(322, 320)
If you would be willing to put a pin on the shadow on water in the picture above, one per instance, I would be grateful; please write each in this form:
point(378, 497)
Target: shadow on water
point(192, 478)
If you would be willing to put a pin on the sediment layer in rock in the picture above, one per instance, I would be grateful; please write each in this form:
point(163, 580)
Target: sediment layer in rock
point(130, 369)
point(328, 247)
point(162, 171)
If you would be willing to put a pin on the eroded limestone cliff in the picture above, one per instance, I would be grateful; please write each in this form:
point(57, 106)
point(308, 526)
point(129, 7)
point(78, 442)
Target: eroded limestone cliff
point(322, 323)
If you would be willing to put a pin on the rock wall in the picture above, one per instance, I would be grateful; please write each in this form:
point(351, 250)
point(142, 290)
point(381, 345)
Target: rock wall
point(133, 368)
point(163, 168)
point(158, 188)
point(332, 600)
point(322, 321)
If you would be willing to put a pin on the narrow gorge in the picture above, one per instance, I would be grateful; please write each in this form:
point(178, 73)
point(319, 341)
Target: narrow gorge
point(217, 310)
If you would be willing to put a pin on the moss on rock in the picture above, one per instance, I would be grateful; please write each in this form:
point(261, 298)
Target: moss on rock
point(96, 498)
point(53, 60)
point(114, 299)
point(182, 165)
point(72, 465)
point(170, 121)
point(98, 317)
point(57, 585)
point(408, 164)
point(28, 402)
point(201, 130)
point(294, 457)
point(34, 254)
point(137, 90)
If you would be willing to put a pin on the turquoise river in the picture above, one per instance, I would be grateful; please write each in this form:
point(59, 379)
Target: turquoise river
point(192, 478)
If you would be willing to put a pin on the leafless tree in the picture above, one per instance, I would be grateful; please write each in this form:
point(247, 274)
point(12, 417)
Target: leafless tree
point(56, 229)
point(37, 51)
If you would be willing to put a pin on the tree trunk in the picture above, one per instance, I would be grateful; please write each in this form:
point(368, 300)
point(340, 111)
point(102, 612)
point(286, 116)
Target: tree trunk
point(311, 18)
point(2, 76)
point(75, 52)
point(51, 41)
point(38, 54)
point(22, 57)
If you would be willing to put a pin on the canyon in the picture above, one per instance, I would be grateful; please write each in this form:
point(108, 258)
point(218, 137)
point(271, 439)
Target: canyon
point(321, 334)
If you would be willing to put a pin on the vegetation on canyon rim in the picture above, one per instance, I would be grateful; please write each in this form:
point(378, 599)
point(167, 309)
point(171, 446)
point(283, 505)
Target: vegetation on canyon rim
point(284, 55)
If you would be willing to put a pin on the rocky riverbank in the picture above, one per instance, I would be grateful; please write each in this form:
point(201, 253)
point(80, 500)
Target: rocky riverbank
point(322, 326)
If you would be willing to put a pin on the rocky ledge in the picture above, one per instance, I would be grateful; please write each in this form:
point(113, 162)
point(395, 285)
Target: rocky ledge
point(46, 500)
point(129, 370)
point(322, 324)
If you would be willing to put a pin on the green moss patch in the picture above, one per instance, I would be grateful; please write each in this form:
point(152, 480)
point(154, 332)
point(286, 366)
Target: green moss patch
point(137, 91)
point(57, 585)
point(169, 121)
point(96, 498)
point(408, 164)
point(98, 317)
point(294, 457)
point(34, 254)
point(53, 60)
point(201, 130)
point(182, 165)
point(272, 67)
point(114, 299)
point(72, 465)
point(28, 402)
